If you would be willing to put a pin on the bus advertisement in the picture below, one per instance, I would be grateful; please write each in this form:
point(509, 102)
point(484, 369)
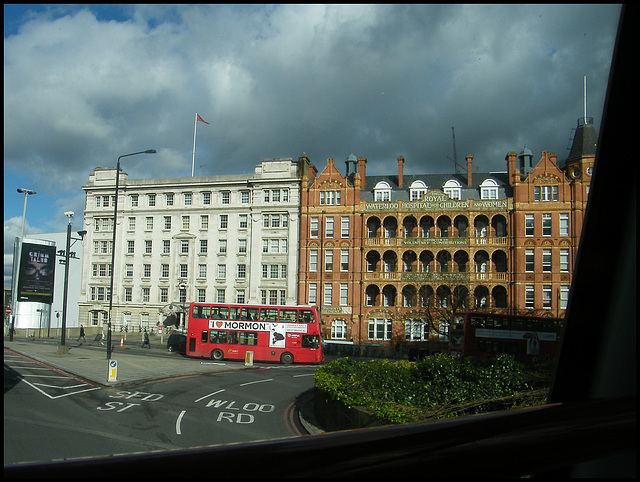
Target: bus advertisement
point(489, 334)
point(288, 334)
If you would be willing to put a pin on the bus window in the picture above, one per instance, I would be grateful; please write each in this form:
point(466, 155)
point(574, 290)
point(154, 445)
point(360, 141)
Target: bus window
point(310, 341)
point(204, 337)
point(289, 316)
point(201, 312)
point(234, 313)
point(268, 314)
point(219, 313)
point(232, 338)
point(217, 336)
point(249, 314)
point(249, 338)
point(306, 316)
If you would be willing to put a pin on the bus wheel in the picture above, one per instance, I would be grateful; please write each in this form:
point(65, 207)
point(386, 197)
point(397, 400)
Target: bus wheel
point(217, 354)
point(286, 358)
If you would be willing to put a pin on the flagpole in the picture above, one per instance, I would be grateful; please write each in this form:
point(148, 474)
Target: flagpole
point(193, 158)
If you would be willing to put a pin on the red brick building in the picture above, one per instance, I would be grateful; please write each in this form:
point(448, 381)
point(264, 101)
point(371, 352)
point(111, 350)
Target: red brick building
point(387, 259)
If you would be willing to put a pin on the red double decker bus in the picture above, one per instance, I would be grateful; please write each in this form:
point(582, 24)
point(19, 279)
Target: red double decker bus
point(288, 334)
point(488, 334)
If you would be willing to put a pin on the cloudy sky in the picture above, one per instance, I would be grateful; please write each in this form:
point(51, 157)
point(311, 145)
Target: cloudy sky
point(84, 84)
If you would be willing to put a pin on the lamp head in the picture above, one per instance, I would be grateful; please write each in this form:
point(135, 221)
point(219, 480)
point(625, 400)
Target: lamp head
point(69, 214)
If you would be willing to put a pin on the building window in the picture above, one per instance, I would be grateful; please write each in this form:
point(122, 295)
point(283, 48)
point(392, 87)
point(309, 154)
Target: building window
point(145, 295)
point(416, 330)
point(339, 330)
point(130, 247)
point(547, 297)
point(220, 295)
point(379, 329)
point(164, 295)
point(240, 297)
point(187, 199)
point(166, 246)
point(313, 293)
point(313, 227)
point(151, 198)
point(134, 200)
point(382, 191)
point(564, 297)
point(206, 198)
point(184, 246)
point(148, 246)
point(546, 224)
point(165, 271)
point(223, 246)
point(202, 271)
point(244, 197)
point(242, 246)
point(169, 198)
point(417, 190)
point(564, 224)
point(204, 245)
point(222, 271)
point(452, 189)
point(202, 295)
point(564, 260)
point(167, 222)
point(328, 294)
point(224, 221)
point(328, 260)
point(226, 197)
point(185, 222)
point(529, 225)
point(313, 260)
point(489, 189)
point(344, 226)
point(328, 227)
point(183, 271)
point(147, 271)
point(204, 221)
point(243, 223)
point(128, 294)
point(546, 193)
point(242, 271)
point(546, 260)
point(344, 260)
point(344, 294)
point(529, 296)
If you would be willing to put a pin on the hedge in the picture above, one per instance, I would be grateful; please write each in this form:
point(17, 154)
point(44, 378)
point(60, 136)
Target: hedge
point(437, 386)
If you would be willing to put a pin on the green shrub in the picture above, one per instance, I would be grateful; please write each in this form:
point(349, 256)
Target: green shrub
point(436, 386)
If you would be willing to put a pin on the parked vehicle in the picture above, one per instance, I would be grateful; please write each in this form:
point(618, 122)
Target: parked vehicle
point(177, 342)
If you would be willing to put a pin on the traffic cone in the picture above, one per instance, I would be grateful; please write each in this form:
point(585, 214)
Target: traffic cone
point(122, 341)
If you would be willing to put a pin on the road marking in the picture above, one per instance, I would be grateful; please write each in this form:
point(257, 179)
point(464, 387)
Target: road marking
point(257, 381)
point(209, 395)
point(178, 432)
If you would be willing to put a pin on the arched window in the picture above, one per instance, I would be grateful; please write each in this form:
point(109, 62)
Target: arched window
point(452, 189)
point(382, 191)
point(489, 189)
point(417, 190)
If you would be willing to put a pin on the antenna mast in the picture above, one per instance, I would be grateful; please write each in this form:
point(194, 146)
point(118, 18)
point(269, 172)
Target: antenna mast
point(585, 99)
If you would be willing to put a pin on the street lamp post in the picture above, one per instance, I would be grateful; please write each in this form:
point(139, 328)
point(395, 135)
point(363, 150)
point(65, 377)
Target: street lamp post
point(113, 246)
point(68, 257)
point(16, 271)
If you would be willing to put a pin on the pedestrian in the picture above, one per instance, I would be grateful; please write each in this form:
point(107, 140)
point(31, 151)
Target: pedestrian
point(146, 340)
point(82, 334)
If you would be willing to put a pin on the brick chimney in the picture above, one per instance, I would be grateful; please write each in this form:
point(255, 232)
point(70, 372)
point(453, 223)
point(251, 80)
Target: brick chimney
point(400, 170)
point(469, 170)
point(511, 165)
point(362, 170)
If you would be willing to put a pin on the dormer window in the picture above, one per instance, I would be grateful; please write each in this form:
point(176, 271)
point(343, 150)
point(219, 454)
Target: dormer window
point(452, 189)
point(382, 191)
point(417, 190)
point(489, 189)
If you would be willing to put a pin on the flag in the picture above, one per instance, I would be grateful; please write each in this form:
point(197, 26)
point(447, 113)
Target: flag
point(200, 118)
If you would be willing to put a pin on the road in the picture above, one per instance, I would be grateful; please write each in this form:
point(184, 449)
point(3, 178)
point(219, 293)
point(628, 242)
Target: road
point(52, 415)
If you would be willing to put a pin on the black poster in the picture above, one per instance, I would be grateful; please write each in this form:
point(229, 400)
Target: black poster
point(37, 266)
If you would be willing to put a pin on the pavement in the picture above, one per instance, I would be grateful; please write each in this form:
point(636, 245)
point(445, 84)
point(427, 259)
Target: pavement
point(133, 364)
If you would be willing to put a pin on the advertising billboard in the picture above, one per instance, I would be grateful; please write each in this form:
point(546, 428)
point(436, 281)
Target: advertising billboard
point(36, 275)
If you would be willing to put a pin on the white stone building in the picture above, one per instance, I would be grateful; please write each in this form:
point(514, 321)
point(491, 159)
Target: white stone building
point(231, 238)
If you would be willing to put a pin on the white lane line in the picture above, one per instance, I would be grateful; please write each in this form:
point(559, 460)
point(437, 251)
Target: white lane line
point(209, 395)
point(257, 381)
point(178, 432)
